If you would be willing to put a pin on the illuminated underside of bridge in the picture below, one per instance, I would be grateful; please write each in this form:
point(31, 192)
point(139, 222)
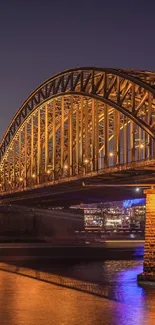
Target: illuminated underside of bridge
point(87, 124)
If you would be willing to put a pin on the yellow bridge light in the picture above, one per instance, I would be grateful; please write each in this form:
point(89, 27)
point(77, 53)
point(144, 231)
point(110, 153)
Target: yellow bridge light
point(69, 136)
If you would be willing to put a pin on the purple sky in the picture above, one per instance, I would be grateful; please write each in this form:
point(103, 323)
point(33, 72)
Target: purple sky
point(40, 38)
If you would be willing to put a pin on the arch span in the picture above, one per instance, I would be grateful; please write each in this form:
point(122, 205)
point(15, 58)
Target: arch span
point(79, 121)
point(136, 85)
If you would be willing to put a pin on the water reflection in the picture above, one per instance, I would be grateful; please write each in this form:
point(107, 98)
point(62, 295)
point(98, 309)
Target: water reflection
point(118, 278)
point(127, 288)
point(27, 301)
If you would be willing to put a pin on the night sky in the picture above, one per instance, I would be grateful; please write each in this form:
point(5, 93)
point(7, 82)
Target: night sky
point(41, 38)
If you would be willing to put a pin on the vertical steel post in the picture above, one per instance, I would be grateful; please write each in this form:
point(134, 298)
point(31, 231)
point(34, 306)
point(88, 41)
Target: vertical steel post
point(86, 137)
point(62, 134)
point(54, 140)
point(116, 137)
point(32, 145)
point(25, 164)
point(46, 138)
point(140, 142)
point(132, 140)
point(38, 149)
point(14, 164)
point(70, 137)
point(4, 175)
point(125, 139)
point(96, 136)
point(9, 166)
point(149, 123)
point(132, 125)
point(93, 134)
point(77, 140)
point(106, 136)
point(145, 145)
point(81, 131)
point(19, 152)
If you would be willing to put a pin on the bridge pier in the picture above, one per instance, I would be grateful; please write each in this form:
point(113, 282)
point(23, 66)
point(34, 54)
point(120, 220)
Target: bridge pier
point(148, 274)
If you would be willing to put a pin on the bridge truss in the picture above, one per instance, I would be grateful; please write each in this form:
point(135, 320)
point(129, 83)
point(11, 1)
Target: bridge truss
point(79, 122)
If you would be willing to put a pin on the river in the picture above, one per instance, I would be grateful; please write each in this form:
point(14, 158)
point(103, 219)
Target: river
point(27, 301)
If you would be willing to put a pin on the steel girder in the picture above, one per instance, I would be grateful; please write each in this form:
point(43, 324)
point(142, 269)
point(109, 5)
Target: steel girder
point(77, 122)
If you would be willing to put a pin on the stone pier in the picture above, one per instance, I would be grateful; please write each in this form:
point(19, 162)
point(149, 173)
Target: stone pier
point(148, 274)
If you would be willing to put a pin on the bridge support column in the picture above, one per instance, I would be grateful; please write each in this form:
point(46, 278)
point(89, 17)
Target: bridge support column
point(106, 136)
point(148, 274)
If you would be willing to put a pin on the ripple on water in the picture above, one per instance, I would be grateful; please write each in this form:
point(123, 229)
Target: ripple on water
point(36, 302)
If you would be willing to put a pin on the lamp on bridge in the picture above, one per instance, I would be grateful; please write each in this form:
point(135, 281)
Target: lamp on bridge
point(48, 172)
point(34, 178)
point(85, 164)
point(65, 170)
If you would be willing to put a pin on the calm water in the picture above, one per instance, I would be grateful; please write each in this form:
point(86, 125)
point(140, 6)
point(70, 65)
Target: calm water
point(26, 301)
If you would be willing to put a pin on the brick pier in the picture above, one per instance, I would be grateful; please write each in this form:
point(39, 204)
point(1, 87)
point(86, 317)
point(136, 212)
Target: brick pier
point(148, 274)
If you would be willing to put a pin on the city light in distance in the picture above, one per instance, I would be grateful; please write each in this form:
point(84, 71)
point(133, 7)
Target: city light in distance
point(21, 179)
point(141, 146)
point(48, 171)
point(137, 189)
point(65, 166)
point(111, 154)
point(86, 161)
point(33, 175)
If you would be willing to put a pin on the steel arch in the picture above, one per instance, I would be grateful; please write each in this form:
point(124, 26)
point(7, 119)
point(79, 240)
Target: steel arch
point(79, 117)
point(98, 83)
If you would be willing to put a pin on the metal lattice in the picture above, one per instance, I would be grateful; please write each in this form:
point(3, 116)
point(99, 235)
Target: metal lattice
point(78, 122)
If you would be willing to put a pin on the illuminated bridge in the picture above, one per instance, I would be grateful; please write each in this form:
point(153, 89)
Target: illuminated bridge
point(84, 124)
